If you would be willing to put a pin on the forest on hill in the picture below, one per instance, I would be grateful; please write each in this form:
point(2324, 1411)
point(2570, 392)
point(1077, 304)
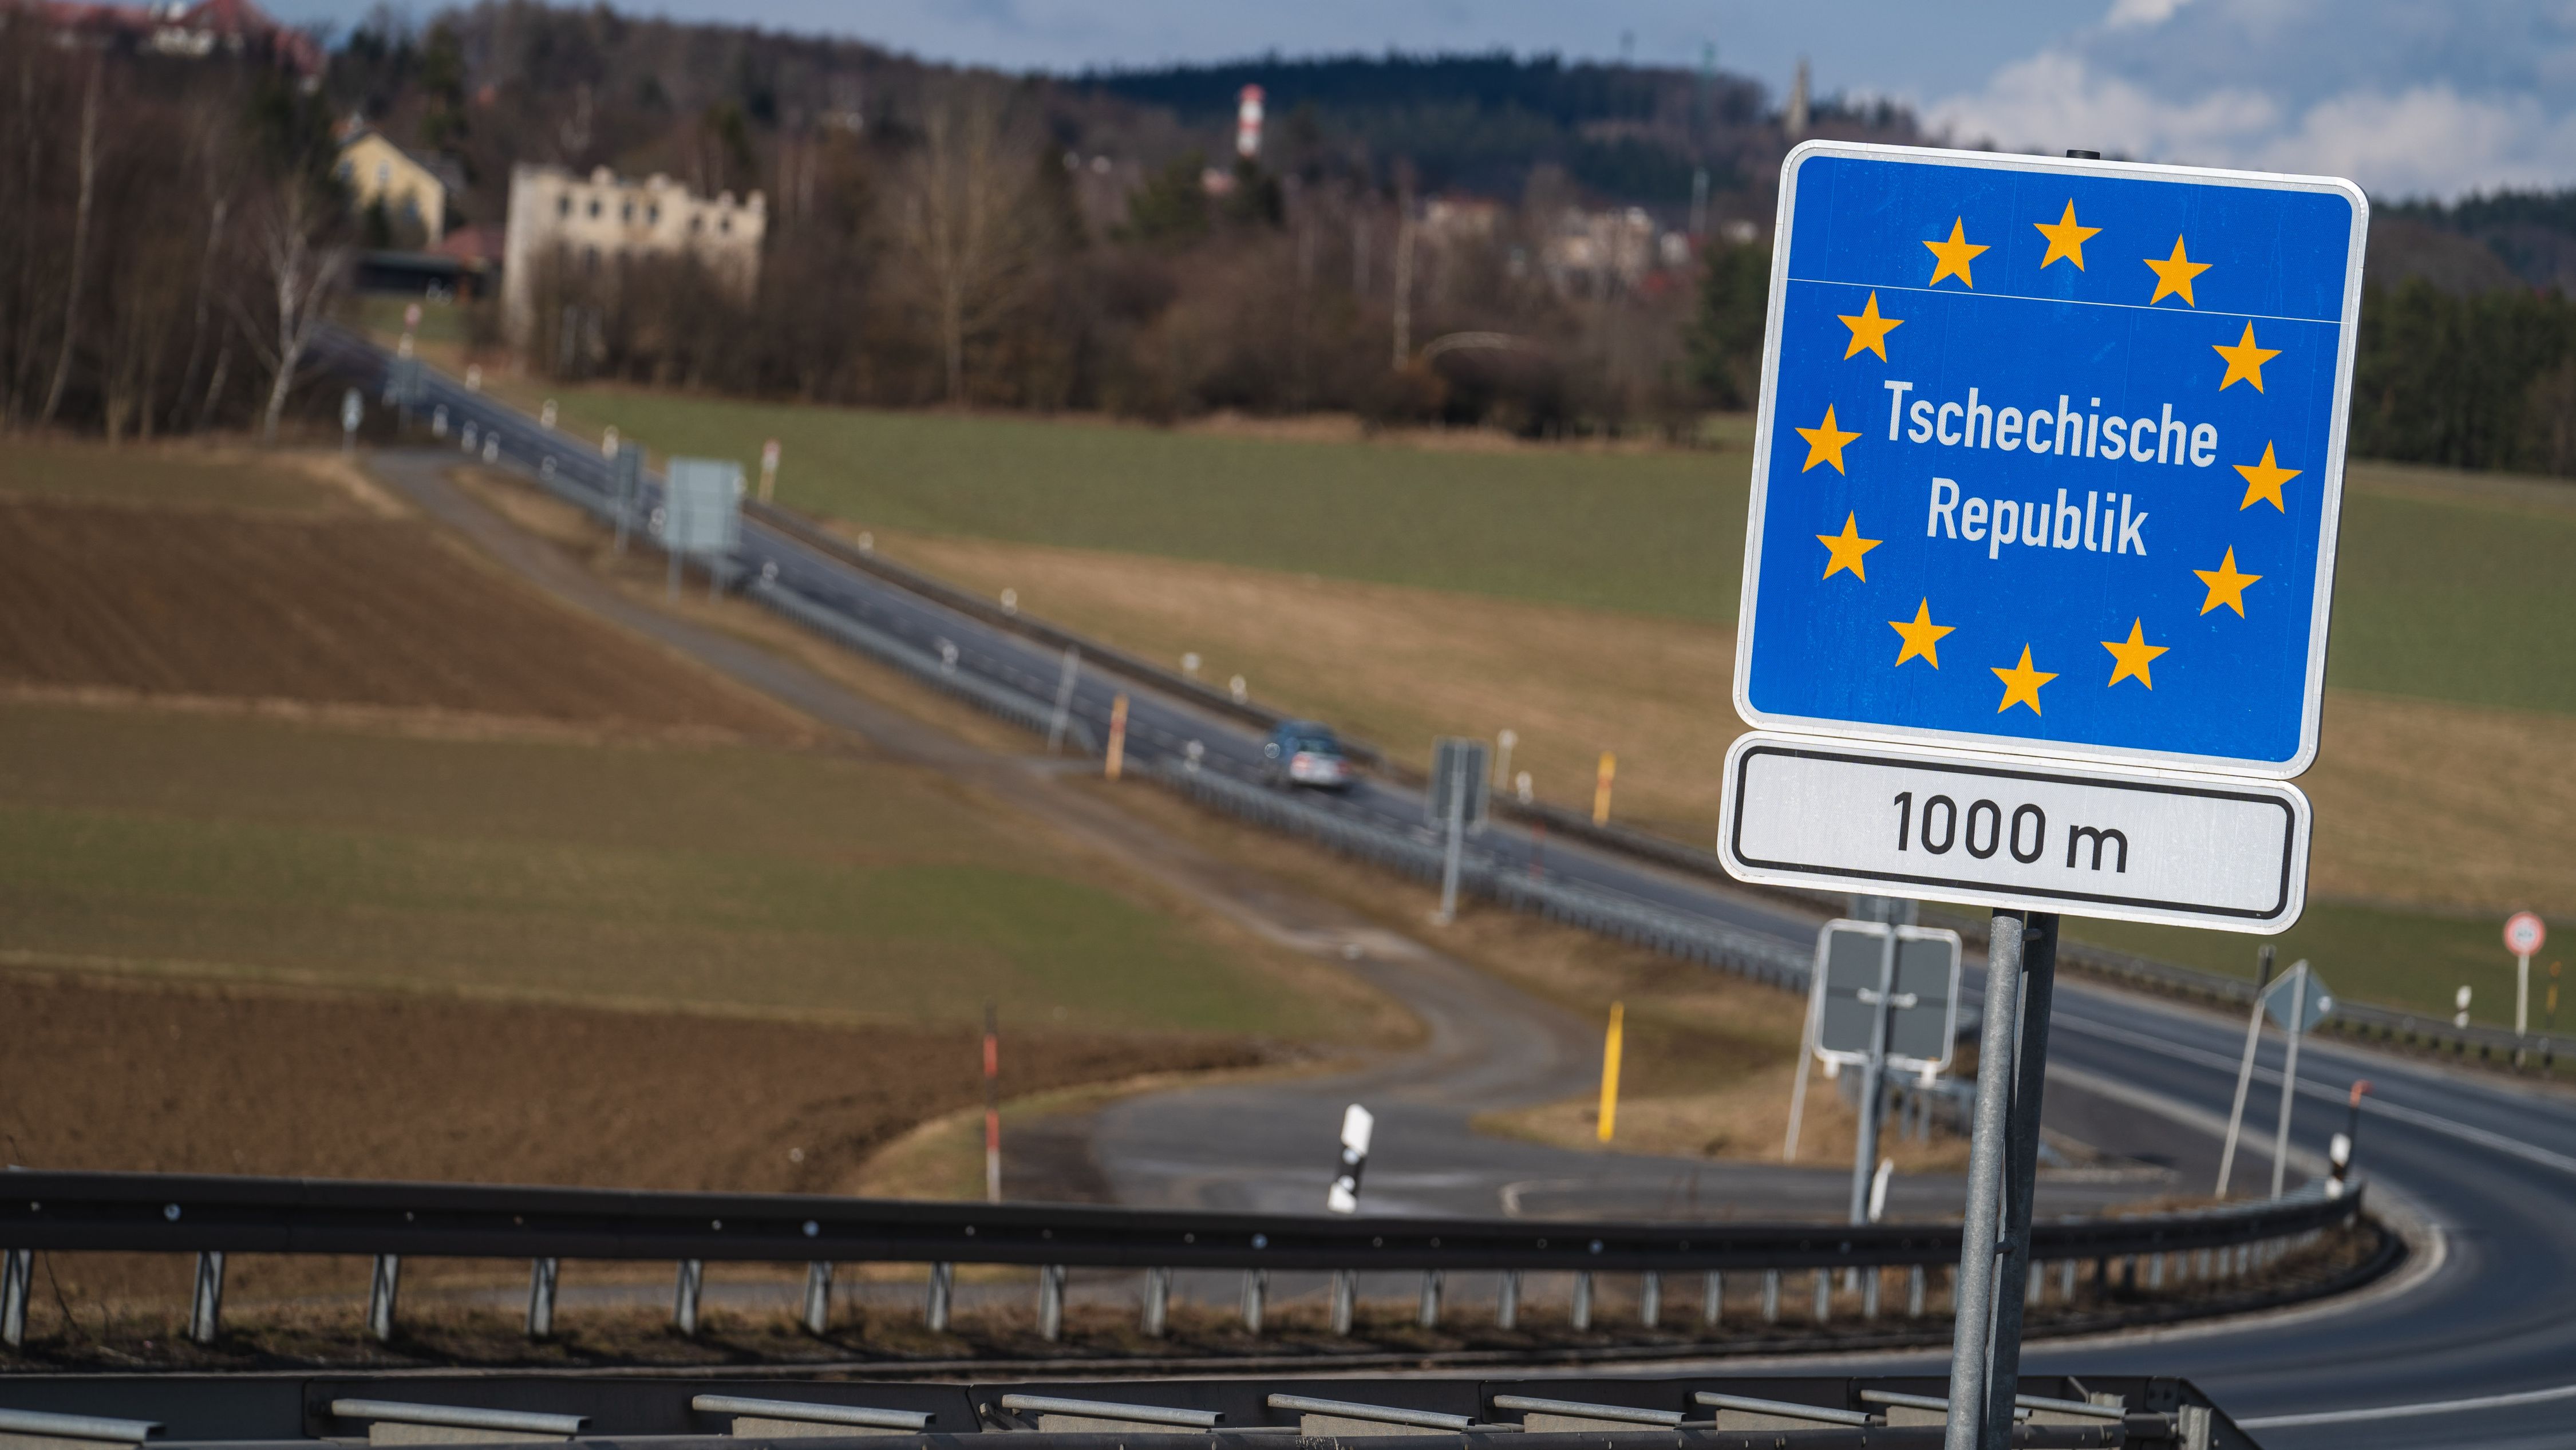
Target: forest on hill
point(1528, 243)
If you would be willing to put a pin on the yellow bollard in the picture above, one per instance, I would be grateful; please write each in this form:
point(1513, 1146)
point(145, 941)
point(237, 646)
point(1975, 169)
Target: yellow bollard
point(1601, 789)
point(1117, 737)
point(1610, 1073)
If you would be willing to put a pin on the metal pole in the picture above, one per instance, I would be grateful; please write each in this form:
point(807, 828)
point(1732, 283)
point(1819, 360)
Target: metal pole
point(1457, 836)
point(1872, 1075)
point(2244, 1080)
point(2021, 1164)
point(2290, 1074)
point(2522, 994)
point(1063, 699)
point(1974, 1294)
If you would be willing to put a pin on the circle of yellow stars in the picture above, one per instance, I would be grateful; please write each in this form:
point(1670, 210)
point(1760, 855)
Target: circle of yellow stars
point(1953, 259)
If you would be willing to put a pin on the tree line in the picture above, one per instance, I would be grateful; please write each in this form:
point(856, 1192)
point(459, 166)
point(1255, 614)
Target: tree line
point(173, 236)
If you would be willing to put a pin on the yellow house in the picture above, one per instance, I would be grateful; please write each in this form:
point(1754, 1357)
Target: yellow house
point(411, 189)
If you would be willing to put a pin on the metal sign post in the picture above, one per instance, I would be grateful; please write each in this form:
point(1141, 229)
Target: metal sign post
point(1457, 804)
point(2296, 1000)
point(2523, 936)
point(1883, 997)
point(2047, 474)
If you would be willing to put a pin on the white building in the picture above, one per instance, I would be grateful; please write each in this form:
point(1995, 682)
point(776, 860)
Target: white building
point(589, 226)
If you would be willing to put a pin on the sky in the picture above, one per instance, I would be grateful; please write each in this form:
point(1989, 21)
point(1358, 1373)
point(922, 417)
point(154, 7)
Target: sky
point(2408, 97)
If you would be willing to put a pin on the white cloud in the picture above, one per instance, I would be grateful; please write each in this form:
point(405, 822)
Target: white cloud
point(2136, 14)
point(2406, 99)
point(2402, 99)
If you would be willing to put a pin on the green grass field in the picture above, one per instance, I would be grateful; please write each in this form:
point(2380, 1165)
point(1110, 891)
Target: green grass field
point(2453, 596)
point(1650, 533)
point(729, 877)
point(2409, 960)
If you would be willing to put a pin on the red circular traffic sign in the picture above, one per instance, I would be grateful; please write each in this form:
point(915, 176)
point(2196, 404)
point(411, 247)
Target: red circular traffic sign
point(2523, 933)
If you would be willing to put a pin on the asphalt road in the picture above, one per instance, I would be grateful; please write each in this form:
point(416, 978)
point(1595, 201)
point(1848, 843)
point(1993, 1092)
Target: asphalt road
point(2488, 1166)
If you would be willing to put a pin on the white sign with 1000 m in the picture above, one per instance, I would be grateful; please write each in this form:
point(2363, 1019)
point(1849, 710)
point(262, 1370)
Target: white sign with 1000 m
point(2138, 844)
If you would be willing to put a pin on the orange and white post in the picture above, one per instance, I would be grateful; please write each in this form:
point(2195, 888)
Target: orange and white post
point(1117, 738)
point(1601, 789)
point(992, 1107)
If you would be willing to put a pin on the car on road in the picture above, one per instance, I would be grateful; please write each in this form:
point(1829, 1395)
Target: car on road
point(1304, 753)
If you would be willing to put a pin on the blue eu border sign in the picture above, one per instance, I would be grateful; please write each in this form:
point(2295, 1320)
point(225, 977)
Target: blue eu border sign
point(2049, 458)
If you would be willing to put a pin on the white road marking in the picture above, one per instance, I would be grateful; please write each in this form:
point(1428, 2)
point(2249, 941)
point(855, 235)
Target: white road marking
point(2373, 1104)
point(2434, 1407)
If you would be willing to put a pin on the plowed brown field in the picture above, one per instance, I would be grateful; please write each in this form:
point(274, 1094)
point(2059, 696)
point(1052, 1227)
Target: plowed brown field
point(131, 1073)
point(324, 610)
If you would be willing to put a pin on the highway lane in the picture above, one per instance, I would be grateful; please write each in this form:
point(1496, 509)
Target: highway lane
point(2492, 1165)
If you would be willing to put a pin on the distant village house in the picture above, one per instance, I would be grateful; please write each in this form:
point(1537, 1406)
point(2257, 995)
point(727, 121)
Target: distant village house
point(412, 190)
point(586, 228)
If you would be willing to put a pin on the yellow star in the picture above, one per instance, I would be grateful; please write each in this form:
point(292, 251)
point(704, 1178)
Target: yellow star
point(1847, 547)
point(1869, 330)
point(2244, 360)
point(2226, 586)
point(2021, 684)
point(1825, 443)
point(2065, 239)
point(2134, 655)
point(2263, 480)
point(2174, 274)
point(1922, 637)
point(1955, 255)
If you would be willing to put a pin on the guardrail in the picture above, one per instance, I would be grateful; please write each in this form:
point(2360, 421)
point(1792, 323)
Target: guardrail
point(707, 1411)
point(1690, 938)
point(214, 1216)
point(1682, 936)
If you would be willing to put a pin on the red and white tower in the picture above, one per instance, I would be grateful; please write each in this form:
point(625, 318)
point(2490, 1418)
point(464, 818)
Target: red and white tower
point(1247, 124)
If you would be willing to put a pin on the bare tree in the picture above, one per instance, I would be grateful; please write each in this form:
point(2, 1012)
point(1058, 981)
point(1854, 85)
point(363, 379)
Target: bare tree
point(88, 171)
point(969, 223)
point(299, 273)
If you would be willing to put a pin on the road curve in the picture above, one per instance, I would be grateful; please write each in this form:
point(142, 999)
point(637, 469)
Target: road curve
point(2488, 1163)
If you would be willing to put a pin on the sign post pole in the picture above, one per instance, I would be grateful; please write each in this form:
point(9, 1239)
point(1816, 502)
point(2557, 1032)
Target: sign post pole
point(1971, 1334)
point(2244, 1080)
point(1457, 837)
point(2028, 1075)
point(2523, 936)
point(1873, 1081)
point(2290, 1073)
